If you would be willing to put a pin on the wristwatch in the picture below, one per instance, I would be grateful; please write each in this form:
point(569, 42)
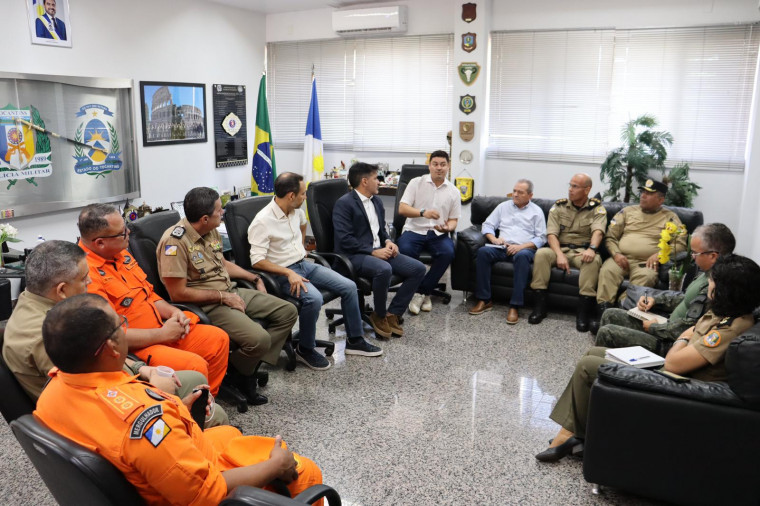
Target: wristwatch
point(592, 247)
point(422, 212)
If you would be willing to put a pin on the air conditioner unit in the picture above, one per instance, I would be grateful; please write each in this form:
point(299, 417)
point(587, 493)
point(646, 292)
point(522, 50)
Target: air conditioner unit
point(371, 21)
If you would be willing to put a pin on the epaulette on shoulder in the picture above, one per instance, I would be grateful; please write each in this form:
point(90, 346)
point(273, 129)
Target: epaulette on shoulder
point(561, 201)
point(178, 232)
point(594, 202)
point(727, 321)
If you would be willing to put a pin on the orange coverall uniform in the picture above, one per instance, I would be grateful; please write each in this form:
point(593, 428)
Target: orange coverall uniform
point(125, 286)
point(154, 443)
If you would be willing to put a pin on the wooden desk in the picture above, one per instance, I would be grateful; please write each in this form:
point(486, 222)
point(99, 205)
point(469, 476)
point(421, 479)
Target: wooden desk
point(388, 191)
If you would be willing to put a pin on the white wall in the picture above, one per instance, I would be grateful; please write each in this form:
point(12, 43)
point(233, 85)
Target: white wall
point(721, 197)
point(151, 40)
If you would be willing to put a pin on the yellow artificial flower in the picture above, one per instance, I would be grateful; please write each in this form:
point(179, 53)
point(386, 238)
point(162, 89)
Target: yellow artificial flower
point(671, 227)
point(663, 257)
point(665, 235)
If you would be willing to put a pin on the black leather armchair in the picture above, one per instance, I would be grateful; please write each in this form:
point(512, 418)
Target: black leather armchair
point(409, 172)
point(238, 215)
point(77, 476)
point(563, 287)
point(14, 402)
point(145, 234)
point(685, 443)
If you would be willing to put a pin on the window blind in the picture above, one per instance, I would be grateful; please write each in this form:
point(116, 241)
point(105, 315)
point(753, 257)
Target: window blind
point(565, 95)
point(385, 94)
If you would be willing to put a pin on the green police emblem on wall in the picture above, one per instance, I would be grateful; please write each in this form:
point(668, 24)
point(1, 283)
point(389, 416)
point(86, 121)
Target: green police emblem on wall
point(466, 103)
point(468, 72)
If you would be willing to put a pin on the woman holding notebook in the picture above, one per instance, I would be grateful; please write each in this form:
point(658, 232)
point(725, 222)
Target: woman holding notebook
point(698, 353)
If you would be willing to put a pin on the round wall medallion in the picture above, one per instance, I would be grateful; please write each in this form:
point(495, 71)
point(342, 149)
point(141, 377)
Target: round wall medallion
point(465, 157)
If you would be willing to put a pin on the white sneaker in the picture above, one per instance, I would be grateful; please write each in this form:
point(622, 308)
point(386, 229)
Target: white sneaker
point(427, 304)
point(414, 305)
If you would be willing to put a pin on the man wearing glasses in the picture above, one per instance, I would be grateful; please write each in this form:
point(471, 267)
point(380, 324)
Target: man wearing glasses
point(618, 329)
point(574, 230)
point(159, 333)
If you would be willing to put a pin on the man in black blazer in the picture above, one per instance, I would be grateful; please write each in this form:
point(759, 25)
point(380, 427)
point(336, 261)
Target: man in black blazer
point(359, 224)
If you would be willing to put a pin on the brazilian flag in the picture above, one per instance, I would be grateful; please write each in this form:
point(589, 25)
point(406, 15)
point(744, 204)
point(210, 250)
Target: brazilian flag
point(263, 171)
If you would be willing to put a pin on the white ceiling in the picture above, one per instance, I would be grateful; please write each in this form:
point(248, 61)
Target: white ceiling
point(273, 6)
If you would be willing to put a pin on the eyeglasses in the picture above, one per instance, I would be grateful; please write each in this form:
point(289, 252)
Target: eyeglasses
point(124, 325)
point(122, 235)
point(695, 254)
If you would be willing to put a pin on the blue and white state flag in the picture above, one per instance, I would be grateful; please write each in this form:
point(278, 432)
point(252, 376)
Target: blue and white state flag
point(313, 161)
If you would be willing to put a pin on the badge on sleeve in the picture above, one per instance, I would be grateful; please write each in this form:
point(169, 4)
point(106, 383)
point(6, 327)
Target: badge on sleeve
point(157, 432)
point(712, 339)
point(178, 232)
point(143, 419)
point(601, 210)
point(170, 251)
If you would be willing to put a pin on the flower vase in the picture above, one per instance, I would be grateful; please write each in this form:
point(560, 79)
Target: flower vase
point(675, 280)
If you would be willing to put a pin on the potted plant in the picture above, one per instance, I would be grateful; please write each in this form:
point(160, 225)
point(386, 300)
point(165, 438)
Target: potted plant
point(644, 149)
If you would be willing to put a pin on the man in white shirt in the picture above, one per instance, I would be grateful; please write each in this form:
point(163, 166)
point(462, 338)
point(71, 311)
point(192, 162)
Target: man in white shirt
point(276, 236)
point(433, 206)
point(522, 230)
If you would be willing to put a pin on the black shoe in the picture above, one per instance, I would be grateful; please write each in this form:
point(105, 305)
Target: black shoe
point(247, 386)
point(572, 445)
point(312, 359)
point(361, 347)
point(539, 309)
point(593, 326)
point(585, 308)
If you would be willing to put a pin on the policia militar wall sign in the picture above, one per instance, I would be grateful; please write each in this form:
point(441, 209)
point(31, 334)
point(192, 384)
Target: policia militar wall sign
point(230, 126)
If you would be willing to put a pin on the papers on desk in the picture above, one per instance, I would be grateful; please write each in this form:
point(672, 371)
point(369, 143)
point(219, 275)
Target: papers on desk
point(636, 356)
point(644, 315)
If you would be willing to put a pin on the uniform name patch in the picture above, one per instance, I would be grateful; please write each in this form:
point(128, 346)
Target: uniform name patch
point(157, 432)
point(170, 251)
point(142, 420)
point(178, 232)
point(712, 339)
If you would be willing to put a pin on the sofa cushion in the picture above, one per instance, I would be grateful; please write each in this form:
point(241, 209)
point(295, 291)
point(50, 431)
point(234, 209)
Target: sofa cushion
point(743, 366)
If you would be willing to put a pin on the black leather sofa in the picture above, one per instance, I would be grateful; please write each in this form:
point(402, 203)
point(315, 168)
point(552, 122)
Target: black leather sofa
point(563, 287)
point(685, 443)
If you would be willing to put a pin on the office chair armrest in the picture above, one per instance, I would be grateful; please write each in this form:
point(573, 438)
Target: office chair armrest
point(319, 259)
point(197, 311)
point(244, 283)
point(343, 260)
point(315, 492)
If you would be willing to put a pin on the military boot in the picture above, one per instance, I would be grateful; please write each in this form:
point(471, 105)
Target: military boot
point(586, 306)
point(539, 308)
point(600, 309)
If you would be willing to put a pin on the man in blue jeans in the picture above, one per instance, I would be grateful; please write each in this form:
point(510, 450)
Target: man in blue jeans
point(432, 205)
point(522, 230)
point(359, 226)
point(276, 236)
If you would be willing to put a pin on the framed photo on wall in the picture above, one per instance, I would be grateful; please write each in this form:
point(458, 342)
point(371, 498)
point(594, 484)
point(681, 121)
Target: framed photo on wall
point(173, 113)
point(49, 22)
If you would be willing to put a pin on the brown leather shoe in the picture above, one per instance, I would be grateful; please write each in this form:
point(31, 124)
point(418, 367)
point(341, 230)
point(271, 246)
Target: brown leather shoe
point(481, 307)
point(380, 325)
point(512, 316)
point(395, 326)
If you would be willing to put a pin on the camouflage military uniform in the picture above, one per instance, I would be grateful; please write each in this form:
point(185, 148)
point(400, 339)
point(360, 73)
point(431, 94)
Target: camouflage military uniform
point(618, 330)
point(573, 227)
point(635, 234)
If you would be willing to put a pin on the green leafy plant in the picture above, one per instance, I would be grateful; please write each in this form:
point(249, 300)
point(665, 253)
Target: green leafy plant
point(682, 191)
point(643, 149)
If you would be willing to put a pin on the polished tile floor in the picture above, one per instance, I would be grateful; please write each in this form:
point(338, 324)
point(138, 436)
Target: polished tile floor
point(453, 413)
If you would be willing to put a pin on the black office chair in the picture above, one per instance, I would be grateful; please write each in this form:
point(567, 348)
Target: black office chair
point(145, 234)
point(238, 215)
point(321, 197)
point(14, 402)
point(79, 477)
point(409, 172)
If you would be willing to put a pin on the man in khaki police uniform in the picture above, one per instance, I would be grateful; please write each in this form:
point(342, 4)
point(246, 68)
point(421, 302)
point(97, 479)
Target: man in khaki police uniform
point(193, 269)
point(574, 231)
point(632, 241)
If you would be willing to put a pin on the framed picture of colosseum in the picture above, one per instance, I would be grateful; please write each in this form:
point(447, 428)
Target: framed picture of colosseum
point(173, 113)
